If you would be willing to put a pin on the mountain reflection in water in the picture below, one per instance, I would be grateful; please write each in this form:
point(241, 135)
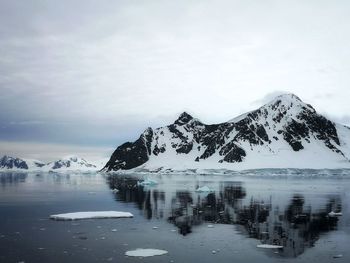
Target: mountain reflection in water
point(12, 178)
point(294, 225)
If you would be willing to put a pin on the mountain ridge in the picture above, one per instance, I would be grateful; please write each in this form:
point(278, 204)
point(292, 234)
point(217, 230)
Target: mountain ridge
point(67, 163)
point(279, 129)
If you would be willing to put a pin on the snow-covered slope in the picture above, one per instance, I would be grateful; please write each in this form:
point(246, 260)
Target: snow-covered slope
point(285, 133)
point(68, 163)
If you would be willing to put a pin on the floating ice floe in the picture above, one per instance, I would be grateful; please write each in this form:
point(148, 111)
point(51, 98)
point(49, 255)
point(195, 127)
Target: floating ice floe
point(147, 182)
point(91, 215)
point(268, 246)
point(204, 189)
point(115, 190)
point(335, 213)
point(145, 252)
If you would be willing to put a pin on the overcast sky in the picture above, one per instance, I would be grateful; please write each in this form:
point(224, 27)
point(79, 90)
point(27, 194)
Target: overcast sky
point(78, 75)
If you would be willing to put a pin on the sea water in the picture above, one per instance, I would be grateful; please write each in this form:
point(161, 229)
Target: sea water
point(251, 216)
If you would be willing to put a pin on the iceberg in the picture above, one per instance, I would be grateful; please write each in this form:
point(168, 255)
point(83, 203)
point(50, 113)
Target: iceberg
point(268, 246)
point(91, 215)
point(147, 182)
point(204, 189)
point(332, 214)
point(145, 252)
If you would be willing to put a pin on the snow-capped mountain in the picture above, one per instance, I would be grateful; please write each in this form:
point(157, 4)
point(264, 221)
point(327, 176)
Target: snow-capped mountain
point(68, 163)
point(8, 162)
point(284, 133)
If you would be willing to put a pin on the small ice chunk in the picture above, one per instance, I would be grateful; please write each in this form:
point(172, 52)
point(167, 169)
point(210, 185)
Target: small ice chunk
point(332, 213)
point(115, 190)
point(145, 252)
point(268, 246)
point(338, 256)
point(91, 215)
point(204, 189)
point(210, 226)
point(155, 227)
point(114, 230)
point(148, 182)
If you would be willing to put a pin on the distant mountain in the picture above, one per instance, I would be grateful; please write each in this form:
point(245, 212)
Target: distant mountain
point(284, 133)
point(7, 162)
point(69, 163)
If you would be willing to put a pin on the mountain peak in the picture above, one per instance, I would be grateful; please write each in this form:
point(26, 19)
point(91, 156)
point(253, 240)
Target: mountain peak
point(183, 118)
point(288, 101)
point(72, 158)
point(289, 97)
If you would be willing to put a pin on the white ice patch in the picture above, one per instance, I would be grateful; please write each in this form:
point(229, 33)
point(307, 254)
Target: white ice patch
point(147, 182)
point(268, 246)
point(204, 189)
point(332, 214)
point(91, 215)
point(145, 252)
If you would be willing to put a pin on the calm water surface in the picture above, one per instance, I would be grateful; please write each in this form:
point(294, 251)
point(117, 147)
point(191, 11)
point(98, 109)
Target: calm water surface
point(243, 211)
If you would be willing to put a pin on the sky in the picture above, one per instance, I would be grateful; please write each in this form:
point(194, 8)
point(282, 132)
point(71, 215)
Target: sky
point(85, 76)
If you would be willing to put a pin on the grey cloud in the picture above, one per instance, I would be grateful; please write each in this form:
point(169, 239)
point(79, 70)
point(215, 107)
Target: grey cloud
point(268, 97)
point(98, 73)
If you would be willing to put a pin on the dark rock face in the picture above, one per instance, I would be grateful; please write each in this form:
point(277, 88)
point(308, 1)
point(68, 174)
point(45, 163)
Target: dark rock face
point(183, 119)
point(130, 155)
point(39, 164)
point(60, 164)
point(294, 133)
point(322, 129)
point(185, 148)
point(233, 153)
point(8, 162)
point(158, 150)
point(285, 120)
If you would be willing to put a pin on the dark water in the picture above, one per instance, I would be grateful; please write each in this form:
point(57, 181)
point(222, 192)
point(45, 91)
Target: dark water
point(224, 226)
